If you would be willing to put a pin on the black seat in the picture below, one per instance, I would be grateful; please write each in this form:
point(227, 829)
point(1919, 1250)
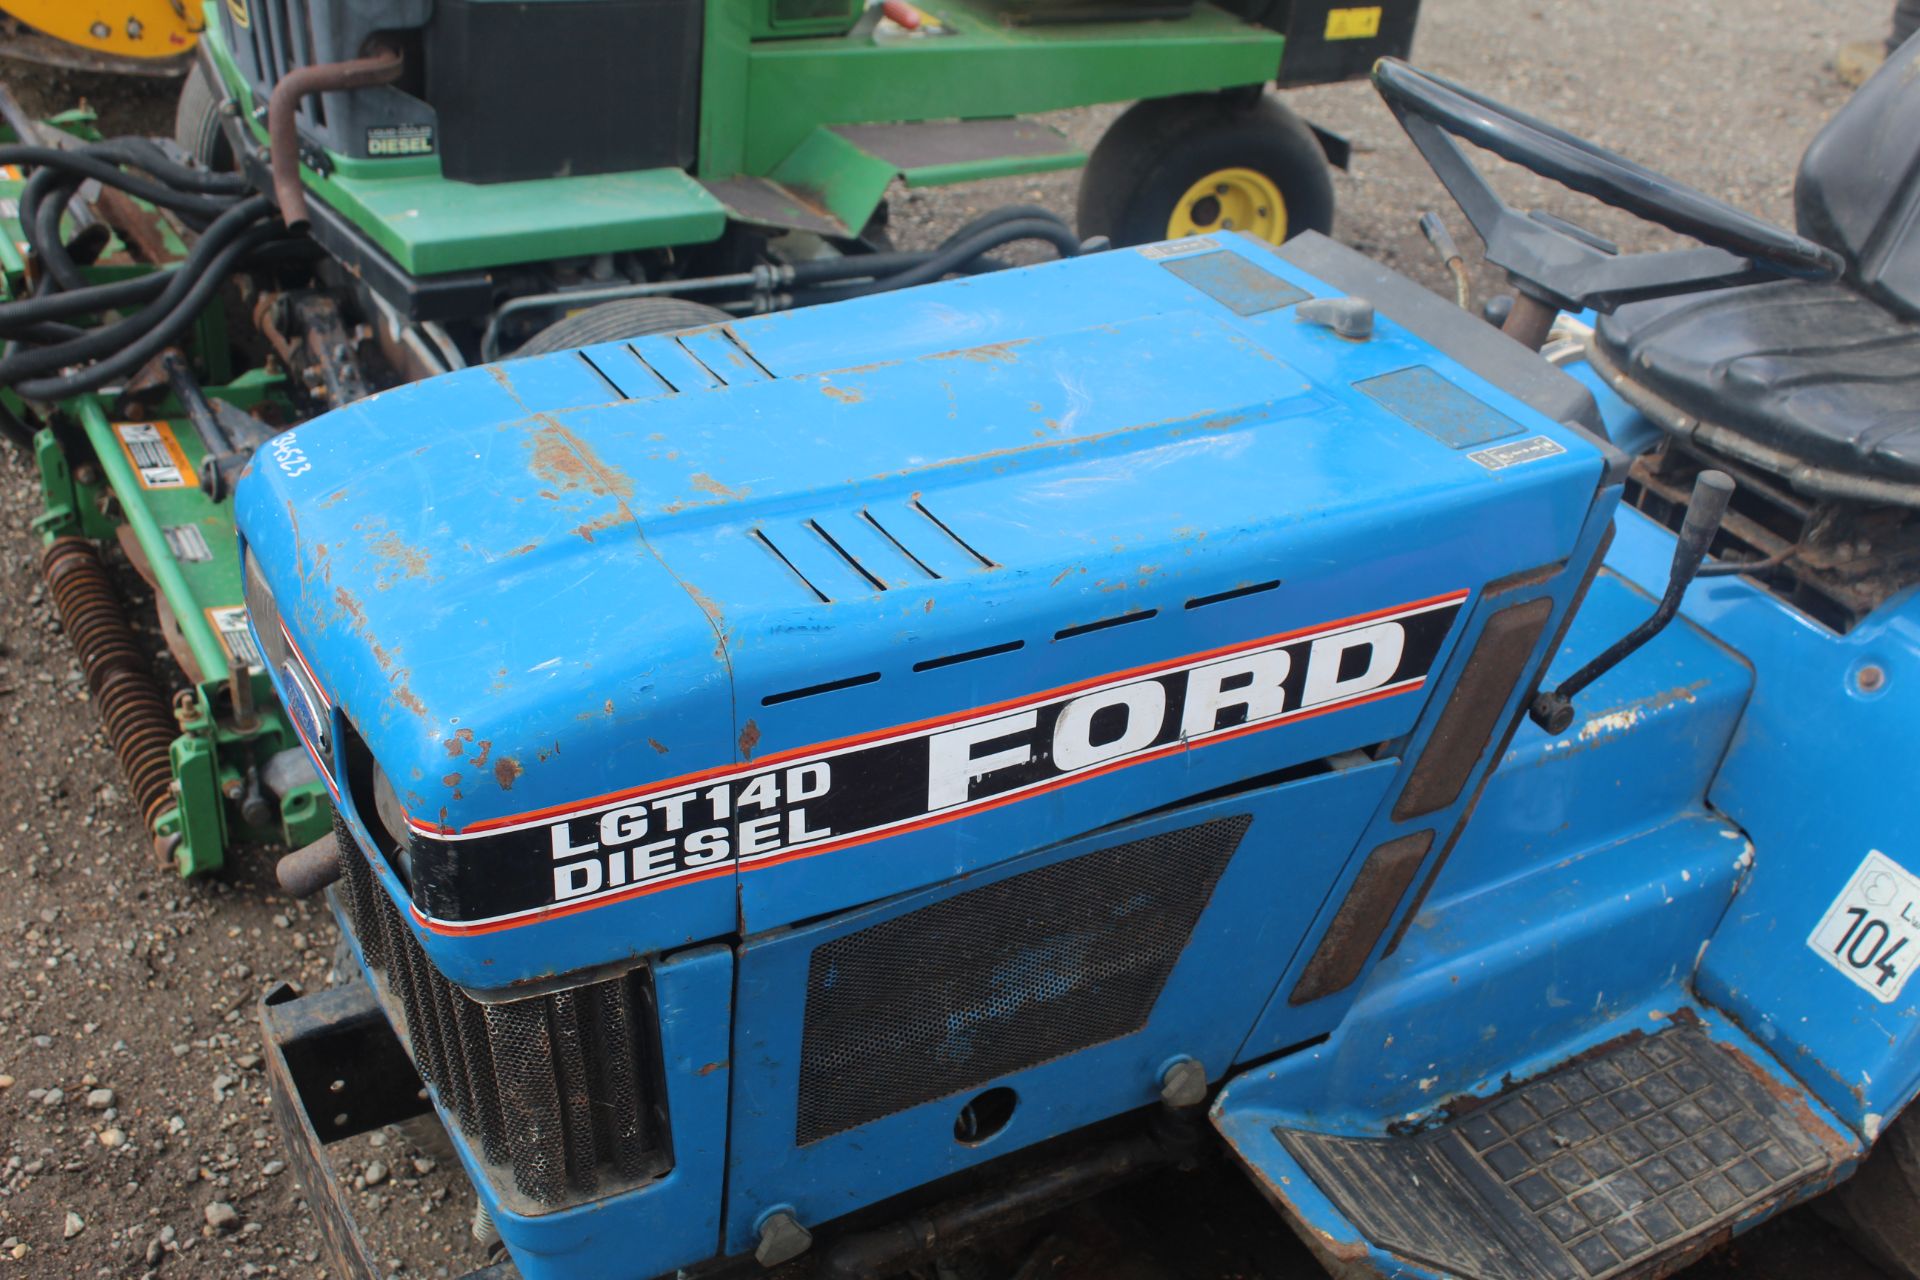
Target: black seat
point(1823, 378)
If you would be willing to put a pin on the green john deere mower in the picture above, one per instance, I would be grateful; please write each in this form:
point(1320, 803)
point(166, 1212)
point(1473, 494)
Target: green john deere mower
point(363, 193)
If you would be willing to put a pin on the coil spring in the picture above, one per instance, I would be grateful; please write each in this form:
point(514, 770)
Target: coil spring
point(140, 725)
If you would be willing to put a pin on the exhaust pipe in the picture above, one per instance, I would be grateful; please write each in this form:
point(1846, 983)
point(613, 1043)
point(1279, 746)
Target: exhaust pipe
point(283, 137)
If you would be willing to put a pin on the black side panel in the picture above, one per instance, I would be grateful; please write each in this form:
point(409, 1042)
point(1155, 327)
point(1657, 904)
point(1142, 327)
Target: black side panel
point(565, 87)
point(1001, 978)
point(1329, 40)
point(1473, 709)
point(1362, 917)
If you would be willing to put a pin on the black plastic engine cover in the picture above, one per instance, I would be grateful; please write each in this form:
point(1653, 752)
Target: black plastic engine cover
point(544, 90)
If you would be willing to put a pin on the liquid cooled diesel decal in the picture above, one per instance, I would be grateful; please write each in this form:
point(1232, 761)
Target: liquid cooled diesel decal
point(832, 795)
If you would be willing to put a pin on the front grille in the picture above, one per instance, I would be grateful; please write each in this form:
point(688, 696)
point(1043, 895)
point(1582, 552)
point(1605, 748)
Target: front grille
point(562, 1090)
point(282, 36)
point(1000, 978)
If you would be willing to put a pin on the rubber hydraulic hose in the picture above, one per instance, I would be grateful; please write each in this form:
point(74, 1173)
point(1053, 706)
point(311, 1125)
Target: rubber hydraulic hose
point(142, 152)
point(99, 342)
point(856, 266)
point(147, 154)
point(167, 330)
point(873, 266)
point(196, 196)
point(88, 300)
point(79, 164)
point(861, 265)
point(43, 332)
point(1050, 230)
point(42, 230)
point(283, 137)
point(1005, 213)
point(954, 256)
point(50, 169)
point(44, 201)
point(867, 266)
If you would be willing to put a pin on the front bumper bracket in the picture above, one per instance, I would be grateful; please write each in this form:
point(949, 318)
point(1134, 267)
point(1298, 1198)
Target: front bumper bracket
point(336, 1069)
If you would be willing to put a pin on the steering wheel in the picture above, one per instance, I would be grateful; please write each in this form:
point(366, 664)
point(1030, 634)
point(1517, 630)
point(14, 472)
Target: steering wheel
point(1556, 264)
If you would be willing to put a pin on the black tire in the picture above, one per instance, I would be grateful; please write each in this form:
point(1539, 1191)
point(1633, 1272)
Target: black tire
point(196, 122)
point(618, 321)
point(1877, 1210)
point(1160, 148)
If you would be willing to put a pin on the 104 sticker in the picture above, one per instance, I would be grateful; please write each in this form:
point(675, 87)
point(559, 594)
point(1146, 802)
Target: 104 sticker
point(1871, 933)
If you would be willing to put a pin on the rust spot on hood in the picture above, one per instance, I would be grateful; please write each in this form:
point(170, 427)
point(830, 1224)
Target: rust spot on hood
point(505, 770)
point(565, 461)
point(601, 525)
point(657, 745)
point(505, 379)
point(407, 561)
point(992, 353)
point(749, 739)
point(845, 395)
point(712, 609)
point(402, 693)
point(707, 484)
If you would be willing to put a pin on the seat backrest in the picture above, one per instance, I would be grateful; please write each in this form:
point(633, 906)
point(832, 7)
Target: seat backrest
point(1858, 190)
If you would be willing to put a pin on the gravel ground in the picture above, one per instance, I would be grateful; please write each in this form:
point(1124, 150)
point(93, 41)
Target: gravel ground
point(134, 1135)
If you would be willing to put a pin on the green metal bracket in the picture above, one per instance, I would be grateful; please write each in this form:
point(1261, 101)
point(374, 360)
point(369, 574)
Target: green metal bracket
point(201, 815)
point(208, 653)
point(212, 757)
point(827, 169)
point(63, 516)
point(306, 814)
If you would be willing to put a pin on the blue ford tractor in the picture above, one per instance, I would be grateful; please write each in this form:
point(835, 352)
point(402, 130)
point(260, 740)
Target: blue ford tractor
point(813, 788)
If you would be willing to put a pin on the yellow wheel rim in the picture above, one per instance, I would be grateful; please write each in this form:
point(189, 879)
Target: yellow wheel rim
point(1230, 200)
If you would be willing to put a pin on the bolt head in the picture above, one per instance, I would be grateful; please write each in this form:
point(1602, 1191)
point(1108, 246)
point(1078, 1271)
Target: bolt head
point(782, 1239)
point(1870, 678)
point(1184, 1084)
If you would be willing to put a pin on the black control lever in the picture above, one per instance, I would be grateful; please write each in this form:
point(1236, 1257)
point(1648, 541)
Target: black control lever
point(223, 429)
point(1553, 711)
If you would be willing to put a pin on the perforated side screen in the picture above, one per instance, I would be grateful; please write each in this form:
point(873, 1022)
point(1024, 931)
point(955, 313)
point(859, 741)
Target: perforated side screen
point(560, 1088)
point(1001, 978)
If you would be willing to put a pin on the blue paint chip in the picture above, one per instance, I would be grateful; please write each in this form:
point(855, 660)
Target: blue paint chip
point(1456, 418)
point(1243, 287)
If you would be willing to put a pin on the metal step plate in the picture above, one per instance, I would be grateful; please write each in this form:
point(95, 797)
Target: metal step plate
point(1615, 1162)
